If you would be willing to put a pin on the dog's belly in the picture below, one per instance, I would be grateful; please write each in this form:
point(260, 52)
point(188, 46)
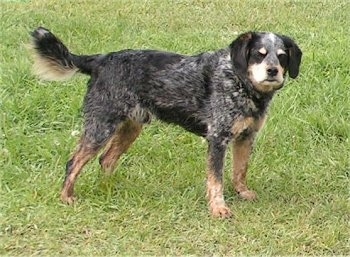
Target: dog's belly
point(179, 117)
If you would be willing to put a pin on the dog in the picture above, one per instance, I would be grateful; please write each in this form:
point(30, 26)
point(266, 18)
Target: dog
point(222, 96)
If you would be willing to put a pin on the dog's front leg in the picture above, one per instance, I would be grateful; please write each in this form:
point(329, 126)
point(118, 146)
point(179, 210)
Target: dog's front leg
point(216, 155)
point(241, 152)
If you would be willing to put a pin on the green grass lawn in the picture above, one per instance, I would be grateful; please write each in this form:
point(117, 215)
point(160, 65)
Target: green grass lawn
point(155, 203)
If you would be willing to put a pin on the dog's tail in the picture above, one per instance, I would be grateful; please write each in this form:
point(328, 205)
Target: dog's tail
point(53, 61)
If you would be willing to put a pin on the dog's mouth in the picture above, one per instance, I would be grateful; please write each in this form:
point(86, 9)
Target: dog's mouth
point(272, 82)
point(272, 79)
point(269, 85)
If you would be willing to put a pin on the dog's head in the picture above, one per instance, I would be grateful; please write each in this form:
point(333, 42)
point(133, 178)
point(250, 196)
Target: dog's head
point(265, 58)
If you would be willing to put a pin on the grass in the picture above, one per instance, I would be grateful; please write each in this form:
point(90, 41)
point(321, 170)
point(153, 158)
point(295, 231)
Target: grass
point(155, 203)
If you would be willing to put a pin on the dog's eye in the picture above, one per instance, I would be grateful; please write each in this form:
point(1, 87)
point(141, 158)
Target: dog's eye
point(259, 55)
point(262, 55)
point(283, 58)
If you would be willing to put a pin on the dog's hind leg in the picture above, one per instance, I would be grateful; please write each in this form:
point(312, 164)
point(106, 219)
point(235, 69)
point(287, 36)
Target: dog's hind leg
point(84, 153)
point(125, 135)
point(96, 135)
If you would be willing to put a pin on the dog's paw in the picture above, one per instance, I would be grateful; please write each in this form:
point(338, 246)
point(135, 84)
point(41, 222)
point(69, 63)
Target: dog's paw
point(107, 171)
point(221, 211)
point(248, 195)
point(107, 166)
point(68, 199)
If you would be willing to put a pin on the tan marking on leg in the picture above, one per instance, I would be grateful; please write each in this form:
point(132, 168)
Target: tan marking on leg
point(241, 153)
point(79, 159)
point(242, 148)
point(215, 195)
point(119, 144)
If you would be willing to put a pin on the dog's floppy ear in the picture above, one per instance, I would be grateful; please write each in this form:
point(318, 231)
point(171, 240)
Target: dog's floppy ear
point(240, 51)
point(294, 56)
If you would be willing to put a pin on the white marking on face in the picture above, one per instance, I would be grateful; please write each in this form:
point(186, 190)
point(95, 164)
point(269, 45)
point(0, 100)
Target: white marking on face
point(263, 51)
point(272, 37)
point(281, 51)
point(258, 72)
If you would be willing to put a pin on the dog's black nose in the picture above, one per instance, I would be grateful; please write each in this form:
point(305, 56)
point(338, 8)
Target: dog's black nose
point(272, 71)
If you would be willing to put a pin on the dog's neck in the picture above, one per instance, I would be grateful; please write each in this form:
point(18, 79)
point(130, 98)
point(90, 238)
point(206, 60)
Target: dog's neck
point(260, 99)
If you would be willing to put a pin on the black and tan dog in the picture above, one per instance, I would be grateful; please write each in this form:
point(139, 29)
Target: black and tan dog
point(222, 96)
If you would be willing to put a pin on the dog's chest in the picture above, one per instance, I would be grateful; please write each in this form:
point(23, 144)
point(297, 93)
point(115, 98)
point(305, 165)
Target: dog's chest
point(236, 117)
point(248, 117)
point(245, 126)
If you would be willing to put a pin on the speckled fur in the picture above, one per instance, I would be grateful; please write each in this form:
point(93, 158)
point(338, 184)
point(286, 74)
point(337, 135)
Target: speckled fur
point(211, 94)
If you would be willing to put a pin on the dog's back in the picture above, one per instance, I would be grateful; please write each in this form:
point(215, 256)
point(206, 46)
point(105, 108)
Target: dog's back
point(53, 60)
